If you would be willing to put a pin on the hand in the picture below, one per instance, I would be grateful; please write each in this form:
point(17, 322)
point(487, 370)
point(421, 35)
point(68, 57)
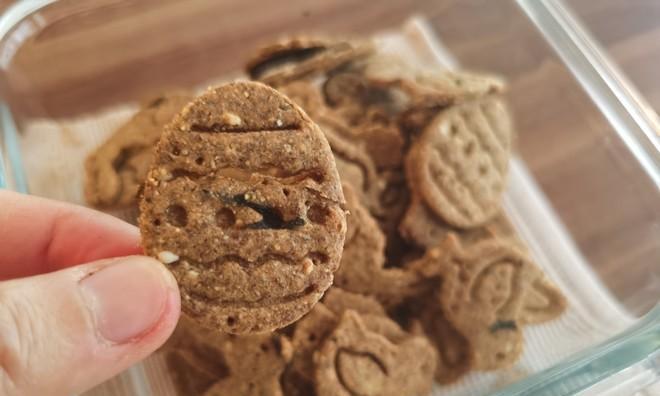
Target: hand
point(75, 307)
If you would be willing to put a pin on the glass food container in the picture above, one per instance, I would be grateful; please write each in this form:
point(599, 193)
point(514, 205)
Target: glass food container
point(584, 189)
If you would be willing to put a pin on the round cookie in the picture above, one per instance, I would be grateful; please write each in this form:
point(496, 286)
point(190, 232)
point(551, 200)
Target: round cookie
point(461, 162)
point(244, 205)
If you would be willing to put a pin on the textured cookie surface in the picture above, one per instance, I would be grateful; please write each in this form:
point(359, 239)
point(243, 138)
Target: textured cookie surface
point(362, 264)
point(244, 205)
point(359, 358)
point(298, 57)
point(203, 362)
point(489, 291)
point(460, 162)
point(115, 170)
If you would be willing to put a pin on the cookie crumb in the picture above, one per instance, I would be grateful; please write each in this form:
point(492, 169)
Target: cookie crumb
point(232, 119)
point(307, 266)
point(192, 275)
point(167, 257)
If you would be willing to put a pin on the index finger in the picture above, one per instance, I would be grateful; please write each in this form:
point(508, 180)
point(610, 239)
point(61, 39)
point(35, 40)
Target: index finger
point(38, 235)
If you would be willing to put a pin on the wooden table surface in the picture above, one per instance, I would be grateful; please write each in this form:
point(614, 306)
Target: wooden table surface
point(611, 210)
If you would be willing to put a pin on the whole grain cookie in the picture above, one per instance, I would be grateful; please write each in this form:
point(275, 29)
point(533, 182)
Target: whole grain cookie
point(354, 164)
point(116, 169)
point(483, 290)
point(455, 354)
point(313, 328)
point(460, 162)
point(298, 57)
point(244, 205)
point(310, 331)
point(362, 264)
point(306, 95)
point(356, 360)
point(425, 86)
point(339, 300)
point(203, 362)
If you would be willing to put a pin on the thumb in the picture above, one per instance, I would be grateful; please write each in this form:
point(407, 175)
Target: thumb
point(66, 331)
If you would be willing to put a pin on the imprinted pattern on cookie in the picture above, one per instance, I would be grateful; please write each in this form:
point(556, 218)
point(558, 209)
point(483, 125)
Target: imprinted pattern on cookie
point(294, 58)
point(356, 360)
point(244, 205)
point(116, 169)
point(461, 162)
point(314, 327)
point(483, 292)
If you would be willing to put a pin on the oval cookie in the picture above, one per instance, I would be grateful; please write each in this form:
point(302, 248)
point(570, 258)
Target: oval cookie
point(461, 161)
point(244, 205)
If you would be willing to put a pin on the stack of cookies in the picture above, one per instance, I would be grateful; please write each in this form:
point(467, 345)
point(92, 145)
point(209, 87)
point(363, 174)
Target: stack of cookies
point(335, 227)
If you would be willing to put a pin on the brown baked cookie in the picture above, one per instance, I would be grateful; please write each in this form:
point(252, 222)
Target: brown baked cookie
point(455, 354)
point(306, 95)
point(203, 362)
point(339, 300)
point(310, 331)
point(299, 57)
point(354, 164)
point(245, 207)
point(428, 85)
point(483, 290)
point(459, 164)
point(422, 227)
point(543, 302)
point(314, 327)
point(116, 169)
point(362, 264)
point(256, 364)
point(356, 360)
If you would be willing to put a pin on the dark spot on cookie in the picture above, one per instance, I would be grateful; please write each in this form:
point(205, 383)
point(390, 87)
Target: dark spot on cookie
point(458, 82)
point(264, 348)
point(453, 130)
point(286, 192)
point(311, 289)
point(318, 258)
point(225, 218)
point(199, 160)
point(503, 325)
point(318, 214)
point(156, 222)
point(283, 57)
point(317, 176)
point(177, 215)
point(311, 337)
point(271, 217)
point(176, 150)
point(483, 169)
point(500, 356)
point(231, 321)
